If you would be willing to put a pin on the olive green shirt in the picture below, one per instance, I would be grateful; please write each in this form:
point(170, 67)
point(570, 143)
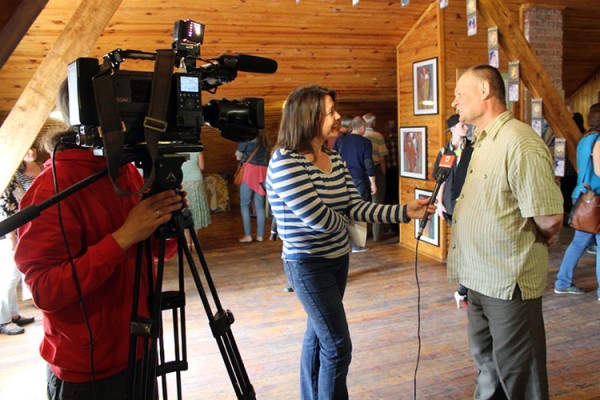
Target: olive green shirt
point(493, 244)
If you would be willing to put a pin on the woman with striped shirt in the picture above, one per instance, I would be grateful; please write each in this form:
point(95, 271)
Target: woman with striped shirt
point(313, 199)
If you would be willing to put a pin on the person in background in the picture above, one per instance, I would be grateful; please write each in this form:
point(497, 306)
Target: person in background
point(93, 267)
point(509, 211)
point(9, 274)
point(255, 153)
point(357, 153)
point(193, 184)
point(314, 198)
point(345, 127)
point(391, 176)
point(461, 148)
point(589, 172)
point(380, 153)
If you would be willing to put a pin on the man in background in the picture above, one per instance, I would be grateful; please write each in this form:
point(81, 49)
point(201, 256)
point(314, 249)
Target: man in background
point(357, 152)
point(380, 154)
point(507, 214)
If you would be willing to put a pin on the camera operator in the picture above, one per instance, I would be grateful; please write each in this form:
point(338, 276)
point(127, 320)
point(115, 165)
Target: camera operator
point(86, 292)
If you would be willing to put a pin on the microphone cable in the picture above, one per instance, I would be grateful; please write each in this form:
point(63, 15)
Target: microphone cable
point(73, 269)
point(418, 314)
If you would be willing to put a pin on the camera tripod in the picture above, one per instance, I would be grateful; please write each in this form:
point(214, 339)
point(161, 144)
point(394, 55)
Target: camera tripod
point(148, 332)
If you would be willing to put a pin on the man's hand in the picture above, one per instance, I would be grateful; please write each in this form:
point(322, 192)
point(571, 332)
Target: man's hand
point(146, 217)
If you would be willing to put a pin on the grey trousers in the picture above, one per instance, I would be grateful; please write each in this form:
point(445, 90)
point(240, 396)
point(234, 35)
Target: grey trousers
point(508, 342)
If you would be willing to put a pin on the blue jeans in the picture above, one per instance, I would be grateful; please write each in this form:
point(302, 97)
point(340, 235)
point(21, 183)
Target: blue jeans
point(319, 284)
point(581, 240)
point(246, 195)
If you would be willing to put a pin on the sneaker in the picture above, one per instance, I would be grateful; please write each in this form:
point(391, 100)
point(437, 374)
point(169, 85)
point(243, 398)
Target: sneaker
point(460, 299)
point(358, 249)
point(570, 290)
point(259, 238)
point(246, 239)
point(591, 249)
point(288, 288)
point(17, 330)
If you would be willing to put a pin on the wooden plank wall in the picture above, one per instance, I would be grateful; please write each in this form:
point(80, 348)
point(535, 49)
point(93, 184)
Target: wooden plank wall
point(420, 44)
point(586, 96)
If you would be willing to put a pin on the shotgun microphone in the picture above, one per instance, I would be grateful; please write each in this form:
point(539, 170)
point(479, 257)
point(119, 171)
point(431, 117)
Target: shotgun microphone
point(442, 173)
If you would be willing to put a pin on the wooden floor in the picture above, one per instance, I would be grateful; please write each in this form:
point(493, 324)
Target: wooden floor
point(381, 304)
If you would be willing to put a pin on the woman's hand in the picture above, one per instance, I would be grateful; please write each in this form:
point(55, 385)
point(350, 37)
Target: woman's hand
point(146, 217)
point(416, 208)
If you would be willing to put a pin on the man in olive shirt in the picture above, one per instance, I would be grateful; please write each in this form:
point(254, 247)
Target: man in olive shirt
point(508, 212)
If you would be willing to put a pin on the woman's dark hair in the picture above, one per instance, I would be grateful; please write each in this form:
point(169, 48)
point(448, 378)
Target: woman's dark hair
point(302, 118)
point(594, 117)
point(578, 118)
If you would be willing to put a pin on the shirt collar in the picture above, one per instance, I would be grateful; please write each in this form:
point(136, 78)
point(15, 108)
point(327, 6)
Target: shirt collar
point(494, 127)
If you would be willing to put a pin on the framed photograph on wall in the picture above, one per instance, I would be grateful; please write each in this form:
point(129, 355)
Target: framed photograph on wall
point(413, 152)
point(425, 87)
point(431, 233)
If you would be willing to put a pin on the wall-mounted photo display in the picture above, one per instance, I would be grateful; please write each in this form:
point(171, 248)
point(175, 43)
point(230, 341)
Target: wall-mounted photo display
point(471, 17)
point(431, 233)
point(513, 81)
point(493, 52)
point(413, 152)
point(443, 3)
point(425, 87)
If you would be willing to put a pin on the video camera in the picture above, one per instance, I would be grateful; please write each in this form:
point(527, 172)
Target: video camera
point(237, 120)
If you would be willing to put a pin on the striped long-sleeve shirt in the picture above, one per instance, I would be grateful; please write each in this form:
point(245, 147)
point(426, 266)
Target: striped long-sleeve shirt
point(313, 207)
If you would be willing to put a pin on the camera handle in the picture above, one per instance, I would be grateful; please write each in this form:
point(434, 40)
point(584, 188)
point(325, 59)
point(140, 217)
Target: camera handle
point(143, 374)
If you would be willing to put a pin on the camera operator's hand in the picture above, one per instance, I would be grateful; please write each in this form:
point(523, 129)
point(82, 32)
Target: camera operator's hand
point(146, 217)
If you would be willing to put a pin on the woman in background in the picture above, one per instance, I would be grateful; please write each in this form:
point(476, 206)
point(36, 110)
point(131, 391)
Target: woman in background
point(255, 154)
point(313, 198)
point(10, 275)
point(193, 184)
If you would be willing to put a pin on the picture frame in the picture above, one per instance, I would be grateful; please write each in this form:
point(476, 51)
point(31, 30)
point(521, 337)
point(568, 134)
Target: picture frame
point(413, 152)
point(431, 233)
point(425, 87)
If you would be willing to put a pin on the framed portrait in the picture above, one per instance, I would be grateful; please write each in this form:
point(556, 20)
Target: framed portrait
point(471, 24)
point(513, 91)
point(413, 152)
point(493, 37)
point(513, 71)
point(425, 96)
point(536, 108)
point(493, 58)
point(431, 233)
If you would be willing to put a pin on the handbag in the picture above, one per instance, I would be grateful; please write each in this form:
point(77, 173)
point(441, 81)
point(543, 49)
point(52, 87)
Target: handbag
point(238, 176)
point(585, 214)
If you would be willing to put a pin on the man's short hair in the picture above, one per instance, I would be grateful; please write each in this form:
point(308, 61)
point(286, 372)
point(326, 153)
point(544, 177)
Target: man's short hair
point(369, 119)
point(490, 74)
point(346, 122)
point(357, 123)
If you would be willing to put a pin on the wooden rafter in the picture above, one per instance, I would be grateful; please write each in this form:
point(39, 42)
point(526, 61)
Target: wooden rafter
point(532, 72)
point(38, 99)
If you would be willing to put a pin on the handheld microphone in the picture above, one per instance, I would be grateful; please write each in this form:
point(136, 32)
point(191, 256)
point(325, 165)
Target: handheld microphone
point(248, 63)
point(442, 173)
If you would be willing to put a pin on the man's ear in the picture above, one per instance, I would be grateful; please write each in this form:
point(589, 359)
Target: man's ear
point(485, 90)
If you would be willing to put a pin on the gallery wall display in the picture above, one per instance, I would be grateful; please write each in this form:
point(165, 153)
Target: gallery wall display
point(425, 87)
point(413, 152)
point(431, 233)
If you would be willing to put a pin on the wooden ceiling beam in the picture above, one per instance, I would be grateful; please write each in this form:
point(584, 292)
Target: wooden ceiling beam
point(532, 72)
point(18, 25)
point(31, 110)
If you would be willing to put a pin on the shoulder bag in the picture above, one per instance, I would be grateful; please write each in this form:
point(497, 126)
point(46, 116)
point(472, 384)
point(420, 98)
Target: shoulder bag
point(239, 173)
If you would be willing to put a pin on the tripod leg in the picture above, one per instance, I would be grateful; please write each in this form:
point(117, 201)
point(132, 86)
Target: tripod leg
point(220, 324)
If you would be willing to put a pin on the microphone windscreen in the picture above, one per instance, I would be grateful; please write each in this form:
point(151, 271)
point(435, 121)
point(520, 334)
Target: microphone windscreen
point(261, 65)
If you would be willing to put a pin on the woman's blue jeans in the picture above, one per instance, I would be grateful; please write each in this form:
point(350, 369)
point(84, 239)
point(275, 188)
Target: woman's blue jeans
point(319, 284)
point(246, 195)
point(581, 240)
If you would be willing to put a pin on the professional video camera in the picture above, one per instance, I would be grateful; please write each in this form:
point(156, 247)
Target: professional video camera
point(131, 92)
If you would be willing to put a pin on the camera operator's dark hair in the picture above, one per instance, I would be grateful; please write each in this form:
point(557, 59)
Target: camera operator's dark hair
point(302, 117)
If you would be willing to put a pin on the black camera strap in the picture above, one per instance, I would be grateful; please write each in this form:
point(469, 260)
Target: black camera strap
point(154, 124)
